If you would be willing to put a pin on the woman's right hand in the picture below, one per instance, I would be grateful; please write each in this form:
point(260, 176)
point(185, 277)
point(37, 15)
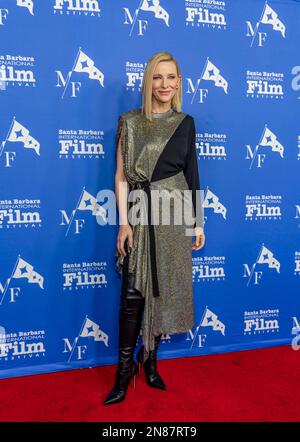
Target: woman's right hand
point(125, 232)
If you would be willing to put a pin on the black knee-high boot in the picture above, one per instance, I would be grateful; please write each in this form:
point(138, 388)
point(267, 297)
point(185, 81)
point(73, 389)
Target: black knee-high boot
point(150, 366)
point(130, 318)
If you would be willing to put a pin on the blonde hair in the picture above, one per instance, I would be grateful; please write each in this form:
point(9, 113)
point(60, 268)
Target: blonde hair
point(147, 83)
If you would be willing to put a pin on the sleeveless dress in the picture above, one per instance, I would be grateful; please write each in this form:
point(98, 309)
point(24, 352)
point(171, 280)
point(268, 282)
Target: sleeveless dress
point(161, 155)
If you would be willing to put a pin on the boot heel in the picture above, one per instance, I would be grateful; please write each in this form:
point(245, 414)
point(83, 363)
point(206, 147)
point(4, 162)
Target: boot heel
point(135, 371)
point(134, 382)
point(153, 378)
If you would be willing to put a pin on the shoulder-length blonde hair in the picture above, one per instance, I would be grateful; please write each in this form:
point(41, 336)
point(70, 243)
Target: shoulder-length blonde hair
point(147, 83)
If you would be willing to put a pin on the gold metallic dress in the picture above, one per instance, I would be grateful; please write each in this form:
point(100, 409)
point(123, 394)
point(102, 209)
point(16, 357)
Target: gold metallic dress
point(161, 155)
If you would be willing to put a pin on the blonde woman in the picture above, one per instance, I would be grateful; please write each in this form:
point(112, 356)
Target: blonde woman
point(155, 152)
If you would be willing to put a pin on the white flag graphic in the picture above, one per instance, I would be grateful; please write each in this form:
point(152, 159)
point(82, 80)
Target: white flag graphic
point(89, 202)
point(25, 270)
point(210, 319)
point(27, 4)
point(213, 73)
point(86, 64)
point(266, 257)
point(159, 12)
point(92, 329)
point(212, 201)
point(271, 18)
point(270, 139)
point(19, 133)
point(219, 326)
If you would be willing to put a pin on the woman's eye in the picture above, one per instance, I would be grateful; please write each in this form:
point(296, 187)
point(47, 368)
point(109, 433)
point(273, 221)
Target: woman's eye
point(156, 78)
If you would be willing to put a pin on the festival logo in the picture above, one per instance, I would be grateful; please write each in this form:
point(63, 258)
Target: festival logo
point(16, 71)
point(211, 74)
point(22, 269)
point(265, 256)
point(297, 264)
point(21, 345)
point(3, 17)
point(17, 133)
point(262, 84)
point(87, 203)
point(259, 32)
point(211, 146)
point(208, 319)
point(211, 201)
point(164, 340)
point(81, 144)
point(203, 14)
point(27, 4)
point(268, 140)
point(84, 65)
point(84, 8)
point(21, 213)
point(297, 215)
point(89, 329)
point(263, 207)
point(138, 21)
point(296, 332)
point(2, 335)
point(134, 74)
point(261, 321)
point(84, 275)
point(208, 268)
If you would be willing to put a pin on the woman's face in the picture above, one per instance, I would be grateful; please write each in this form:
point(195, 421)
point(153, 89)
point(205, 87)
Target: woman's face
point(165, 82)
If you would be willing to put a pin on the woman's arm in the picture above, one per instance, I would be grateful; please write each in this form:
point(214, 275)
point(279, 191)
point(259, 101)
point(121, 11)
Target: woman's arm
point(121, 184)
point(192, 176)
point(121, 191)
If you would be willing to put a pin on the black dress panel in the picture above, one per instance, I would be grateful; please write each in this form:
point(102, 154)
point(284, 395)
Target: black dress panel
point(180, 154)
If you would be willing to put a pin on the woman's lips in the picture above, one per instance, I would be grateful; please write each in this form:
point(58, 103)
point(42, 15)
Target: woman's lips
point(165, 92)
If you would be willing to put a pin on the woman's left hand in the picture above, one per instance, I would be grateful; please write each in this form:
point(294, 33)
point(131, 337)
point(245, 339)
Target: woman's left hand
point(200, 239)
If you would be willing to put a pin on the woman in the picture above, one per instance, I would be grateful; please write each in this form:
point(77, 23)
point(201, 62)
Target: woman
point(155, 152)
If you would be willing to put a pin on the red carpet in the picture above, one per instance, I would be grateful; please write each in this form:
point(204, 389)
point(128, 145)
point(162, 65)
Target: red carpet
point(255, 385)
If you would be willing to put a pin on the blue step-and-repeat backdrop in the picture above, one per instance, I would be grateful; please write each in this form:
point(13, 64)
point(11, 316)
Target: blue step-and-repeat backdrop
point(68, 69)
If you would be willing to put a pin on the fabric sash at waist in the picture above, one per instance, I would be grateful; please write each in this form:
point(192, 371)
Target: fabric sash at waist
point(146, 186)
